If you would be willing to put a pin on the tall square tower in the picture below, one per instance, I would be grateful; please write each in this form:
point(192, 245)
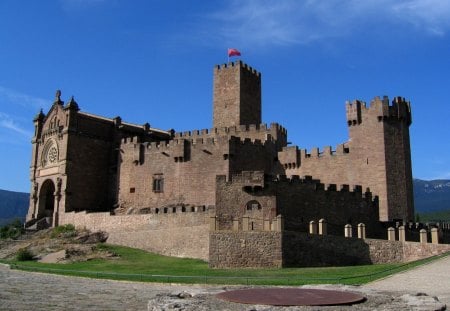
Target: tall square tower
point(237, 95)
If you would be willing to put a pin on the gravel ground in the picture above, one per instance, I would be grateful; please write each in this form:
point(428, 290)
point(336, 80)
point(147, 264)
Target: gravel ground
point(21, 290)
point(432, 278)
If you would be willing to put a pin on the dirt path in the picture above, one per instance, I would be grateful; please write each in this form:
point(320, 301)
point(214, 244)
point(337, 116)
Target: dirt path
point(432, 278)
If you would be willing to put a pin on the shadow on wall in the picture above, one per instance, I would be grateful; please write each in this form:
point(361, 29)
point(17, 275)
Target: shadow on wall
point(306, 250)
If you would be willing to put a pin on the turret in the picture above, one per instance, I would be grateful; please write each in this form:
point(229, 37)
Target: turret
point(38, 121)
point(71, 109)
point(379, 139)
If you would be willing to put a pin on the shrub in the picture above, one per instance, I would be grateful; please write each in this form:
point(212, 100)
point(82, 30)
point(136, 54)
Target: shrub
point(66, 231)
point(12, 230)
point(24, 255)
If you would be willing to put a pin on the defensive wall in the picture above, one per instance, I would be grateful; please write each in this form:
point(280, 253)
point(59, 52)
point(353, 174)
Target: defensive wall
point(377, 156)
point(299, 249)
point(176, 231)
point(261, 132)
point(299, 200)
point(188, 164)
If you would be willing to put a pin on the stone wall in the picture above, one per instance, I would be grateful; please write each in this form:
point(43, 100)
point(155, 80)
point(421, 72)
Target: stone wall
point(188, 174)
point(229, 249)
point(296, 249)
point(237, 95)
point(188, 167)
point(377, 156)
point(171, 234)
point(298, 200)
point(382, 251)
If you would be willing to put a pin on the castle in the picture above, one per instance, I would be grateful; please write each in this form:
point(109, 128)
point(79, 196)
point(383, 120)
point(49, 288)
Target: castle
point(174, 192)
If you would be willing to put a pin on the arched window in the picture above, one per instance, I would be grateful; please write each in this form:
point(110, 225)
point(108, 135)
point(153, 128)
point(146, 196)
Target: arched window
point(253, 205)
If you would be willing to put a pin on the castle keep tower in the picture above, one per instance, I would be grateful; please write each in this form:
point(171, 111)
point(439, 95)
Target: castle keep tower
point(237, 95)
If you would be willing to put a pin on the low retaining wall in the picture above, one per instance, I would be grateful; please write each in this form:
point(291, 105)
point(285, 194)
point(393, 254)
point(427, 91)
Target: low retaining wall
point(239, 249)
point(172, 234)
point(382, 251)
point(295, 249)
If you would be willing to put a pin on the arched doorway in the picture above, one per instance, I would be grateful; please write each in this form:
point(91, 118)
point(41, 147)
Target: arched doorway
point(46, 199)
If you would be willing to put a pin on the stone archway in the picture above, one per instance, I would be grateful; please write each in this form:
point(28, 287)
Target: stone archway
point(46, 201)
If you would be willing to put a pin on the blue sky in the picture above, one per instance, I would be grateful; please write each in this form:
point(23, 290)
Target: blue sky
point(152, 61)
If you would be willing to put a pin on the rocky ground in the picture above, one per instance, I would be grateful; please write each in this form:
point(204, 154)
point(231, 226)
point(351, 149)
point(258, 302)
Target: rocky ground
point(72, 245)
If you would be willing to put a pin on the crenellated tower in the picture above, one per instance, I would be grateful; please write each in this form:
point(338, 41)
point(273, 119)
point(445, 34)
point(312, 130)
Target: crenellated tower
point(379, 142)
point(237, 95)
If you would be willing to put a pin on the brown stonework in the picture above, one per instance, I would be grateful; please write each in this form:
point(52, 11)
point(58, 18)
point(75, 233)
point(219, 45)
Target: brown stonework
point(298, 200)
point(179, 234)
point(298, 249)
point(156, 189)
point(237, 95)
point(377, 156)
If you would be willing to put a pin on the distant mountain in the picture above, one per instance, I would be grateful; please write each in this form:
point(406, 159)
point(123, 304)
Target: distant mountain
point(431, 195)
point(13, 205)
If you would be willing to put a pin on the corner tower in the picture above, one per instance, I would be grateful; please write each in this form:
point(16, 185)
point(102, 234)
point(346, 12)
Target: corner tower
point(237, 95)
point(379, 139)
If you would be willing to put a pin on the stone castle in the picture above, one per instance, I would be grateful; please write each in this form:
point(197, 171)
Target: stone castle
point(188, 194)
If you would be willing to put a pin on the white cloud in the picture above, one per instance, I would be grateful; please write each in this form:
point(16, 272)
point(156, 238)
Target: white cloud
point(11, 98)
point(274, 22)
point(6, 121)
point(432, 16)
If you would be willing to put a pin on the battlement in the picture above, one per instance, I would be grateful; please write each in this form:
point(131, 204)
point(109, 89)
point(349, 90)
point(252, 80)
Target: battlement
point(399, 109)
point(181, 149)
point(194, 140)
point(257, 180)
point(243, 130)
point(326, 151)
point(291, 157)
point(236, 64)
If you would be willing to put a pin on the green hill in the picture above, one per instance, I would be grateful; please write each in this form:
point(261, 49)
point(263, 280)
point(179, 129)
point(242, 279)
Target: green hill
point(13, 205)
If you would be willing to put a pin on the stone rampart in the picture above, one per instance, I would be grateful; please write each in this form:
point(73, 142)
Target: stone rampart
point(229, 249)
point(376, 156)
point(299, 201)
point(297, 249)
point(172, 234)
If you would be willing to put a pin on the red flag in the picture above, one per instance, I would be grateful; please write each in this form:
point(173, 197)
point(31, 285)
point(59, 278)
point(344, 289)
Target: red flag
point(233, 52)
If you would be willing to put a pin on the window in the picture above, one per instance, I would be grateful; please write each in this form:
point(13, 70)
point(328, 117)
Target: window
point(50, 153)
point(253, 205)
point(158, 183)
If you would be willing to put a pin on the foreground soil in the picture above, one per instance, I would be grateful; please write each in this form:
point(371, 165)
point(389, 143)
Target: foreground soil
point(21, 290)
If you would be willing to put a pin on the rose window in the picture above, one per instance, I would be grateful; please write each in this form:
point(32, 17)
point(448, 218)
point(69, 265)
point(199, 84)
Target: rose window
point(52, 155)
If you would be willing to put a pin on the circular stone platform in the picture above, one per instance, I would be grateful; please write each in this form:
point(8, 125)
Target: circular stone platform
point(291, 297)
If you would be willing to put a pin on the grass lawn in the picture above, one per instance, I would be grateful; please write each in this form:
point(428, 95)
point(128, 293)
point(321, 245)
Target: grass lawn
point(138, 265)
